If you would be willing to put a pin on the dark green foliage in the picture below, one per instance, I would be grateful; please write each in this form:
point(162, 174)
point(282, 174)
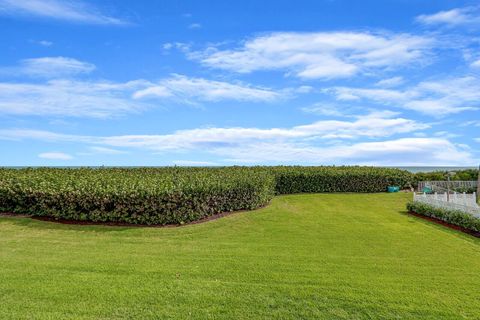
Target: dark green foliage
point(464, 189)
point(466, 175)
point(455, 217)
point(461, 175)
point(173, 195)
point(337, 179)
point(141, 196)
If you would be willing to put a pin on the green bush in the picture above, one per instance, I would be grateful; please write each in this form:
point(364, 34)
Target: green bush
point(454, 217)
point(338, 179)
point(461, 175)
point(173, 195)
point(464, 189)
point(141, 196)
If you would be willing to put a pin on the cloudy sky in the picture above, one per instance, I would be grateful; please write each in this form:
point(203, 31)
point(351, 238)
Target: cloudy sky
point(86, 82)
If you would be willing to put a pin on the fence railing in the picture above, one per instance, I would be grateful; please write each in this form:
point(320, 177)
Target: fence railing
point(446, 184)
point(456, 201)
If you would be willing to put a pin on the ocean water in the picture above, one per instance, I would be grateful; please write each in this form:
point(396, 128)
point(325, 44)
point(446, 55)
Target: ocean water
point(432, 169)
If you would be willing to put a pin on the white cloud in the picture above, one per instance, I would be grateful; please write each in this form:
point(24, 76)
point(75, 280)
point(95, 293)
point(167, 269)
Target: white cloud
point(446, 134)
point(370, 126)
point(375, 125)
point(43, 43)
point(304, 89)
point(103, 150)
point(325, 109)
point(41, 135)
point(189, 89)
point(55, 156)
point(348, 93)
point(71, 10)
point(454, 17)
point(437, 98)
point(475, 64)
point(153, 91)
point(195, 26)
point(390, 82)
point(70, 98)
point(167, 46)
point(474, 123)
point(191, 163)
point(102, 99)
point(322, 142)
point(318, 54)
point(53, 67)
point(405, 151)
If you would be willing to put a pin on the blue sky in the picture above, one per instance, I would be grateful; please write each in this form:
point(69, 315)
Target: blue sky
point(239, 83)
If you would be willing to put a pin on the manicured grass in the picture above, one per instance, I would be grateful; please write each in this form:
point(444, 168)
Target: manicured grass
point(322, 256)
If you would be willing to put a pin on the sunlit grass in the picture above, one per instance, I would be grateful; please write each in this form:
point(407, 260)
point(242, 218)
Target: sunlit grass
point(322, 256)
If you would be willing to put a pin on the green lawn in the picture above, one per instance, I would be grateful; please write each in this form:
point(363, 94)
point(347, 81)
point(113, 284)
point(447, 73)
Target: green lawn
point(322, 256)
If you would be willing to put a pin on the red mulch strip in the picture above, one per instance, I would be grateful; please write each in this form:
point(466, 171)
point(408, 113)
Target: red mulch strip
point(446, 224)
point(123, 224)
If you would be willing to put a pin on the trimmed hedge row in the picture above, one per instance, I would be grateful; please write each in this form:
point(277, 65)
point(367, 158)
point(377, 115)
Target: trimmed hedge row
point(173, 195)
point(337, 179)
point(139, 196)
point(454, 217)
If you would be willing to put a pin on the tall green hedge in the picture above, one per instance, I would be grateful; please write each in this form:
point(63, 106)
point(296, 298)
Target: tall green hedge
point(173, 195)
point(337, 179)
point(140, 196)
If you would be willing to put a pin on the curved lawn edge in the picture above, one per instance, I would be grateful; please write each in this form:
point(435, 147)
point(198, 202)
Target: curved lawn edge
point(133, 225)
point(164, 196)
point(215, 217)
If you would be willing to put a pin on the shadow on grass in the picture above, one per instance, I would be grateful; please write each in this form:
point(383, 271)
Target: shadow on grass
point(443, 227)
point(31, 222)
point(62, 224)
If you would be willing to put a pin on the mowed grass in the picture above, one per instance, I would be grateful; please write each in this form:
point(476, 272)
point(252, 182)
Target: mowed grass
point(317, 256)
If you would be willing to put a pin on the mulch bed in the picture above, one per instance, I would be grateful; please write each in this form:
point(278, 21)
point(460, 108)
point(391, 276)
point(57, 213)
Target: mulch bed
point(446, 224)
point(123, 224)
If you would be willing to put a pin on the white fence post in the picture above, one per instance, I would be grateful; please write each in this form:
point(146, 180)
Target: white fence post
point(466, 203)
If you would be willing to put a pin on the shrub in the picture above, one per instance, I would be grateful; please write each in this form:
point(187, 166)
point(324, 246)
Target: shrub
point(464, 189)
point(454, 217)
point(142, 196)
point(460, 175)
point(173, 195)
point(338, 179)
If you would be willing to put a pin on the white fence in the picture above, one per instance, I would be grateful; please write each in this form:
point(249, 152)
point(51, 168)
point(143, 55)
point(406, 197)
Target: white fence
point(445, 184)
point(456, 201)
